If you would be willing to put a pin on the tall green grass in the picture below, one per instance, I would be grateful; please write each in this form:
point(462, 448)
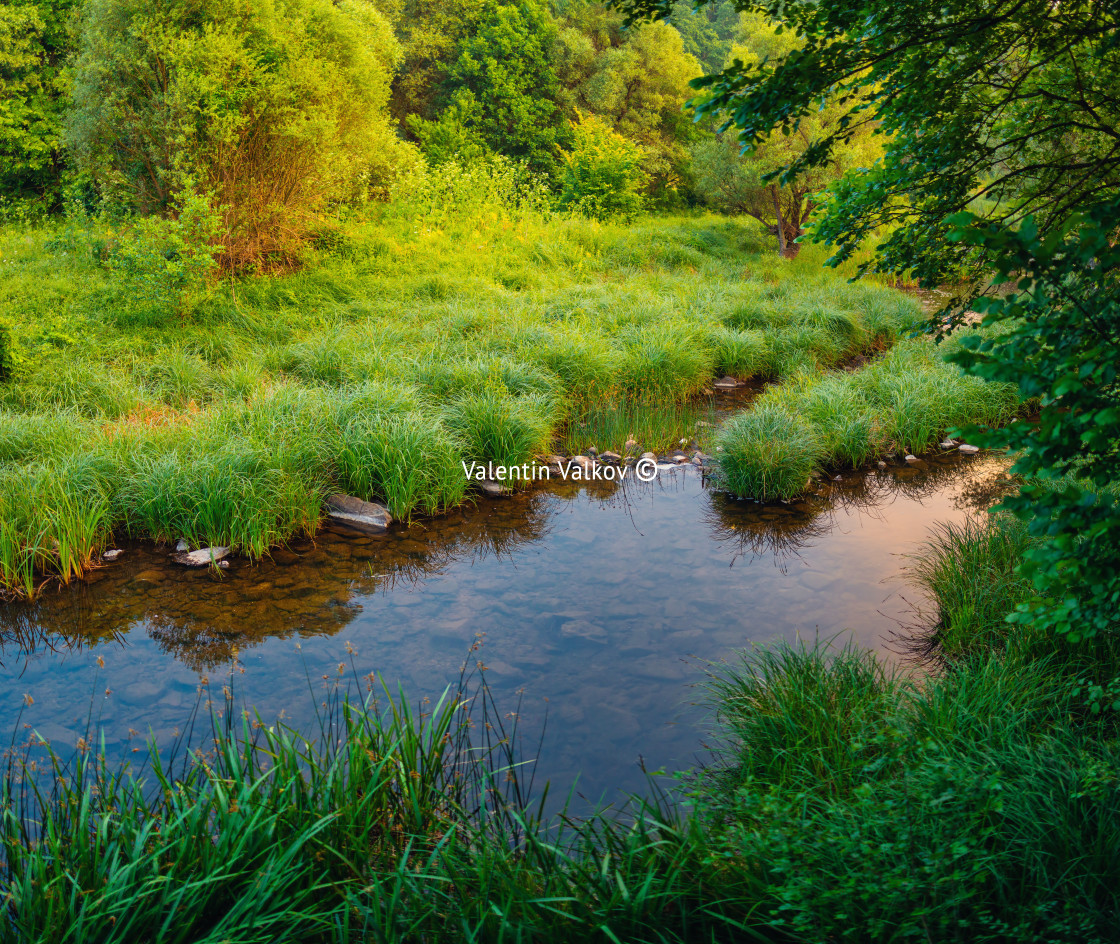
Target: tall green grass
point(970, 572)
point(903, 402)
point(973, 806)
point(609, 422)
point(422, 339)
point(397, 825)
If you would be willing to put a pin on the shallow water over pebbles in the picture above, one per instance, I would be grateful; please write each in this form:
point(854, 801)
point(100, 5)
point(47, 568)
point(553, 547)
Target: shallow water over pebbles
point(601, 603)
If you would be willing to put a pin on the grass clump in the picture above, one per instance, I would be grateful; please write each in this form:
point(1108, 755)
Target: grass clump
point(495, 426)
point(970, 572)
point(768, 452)
point(402, 459)
point(240, 496)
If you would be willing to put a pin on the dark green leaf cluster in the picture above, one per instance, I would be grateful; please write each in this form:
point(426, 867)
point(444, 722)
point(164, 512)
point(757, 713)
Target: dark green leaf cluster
point(1058, 338)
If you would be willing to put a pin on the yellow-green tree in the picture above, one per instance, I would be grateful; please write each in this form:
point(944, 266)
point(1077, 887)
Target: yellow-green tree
point(637, 81)
point(603, 176)
point(742, 182)
point(274, 109)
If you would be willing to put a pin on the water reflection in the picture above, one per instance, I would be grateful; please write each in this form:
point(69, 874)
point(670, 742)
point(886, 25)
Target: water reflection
point(600, 601)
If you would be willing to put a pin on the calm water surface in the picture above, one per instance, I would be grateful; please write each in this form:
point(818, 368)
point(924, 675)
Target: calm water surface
point(602, 604)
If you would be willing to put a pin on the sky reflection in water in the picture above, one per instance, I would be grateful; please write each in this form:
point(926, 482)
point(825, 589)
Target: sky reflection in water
point(601, 603)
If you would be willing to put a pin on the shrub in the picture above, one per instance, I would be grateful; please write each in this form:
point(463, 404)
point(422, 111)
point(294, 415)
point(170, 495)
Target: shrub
point(271, 108)
point(768, 453)
point(166, 262)
point(602, 172)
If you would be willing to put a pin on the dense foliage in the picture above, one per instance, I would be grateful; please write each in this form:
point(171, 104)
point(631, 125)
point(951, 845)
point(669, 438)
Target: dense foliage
point(34, 42)
point(1007, 108)
point(1060, 342)
point(272, 110)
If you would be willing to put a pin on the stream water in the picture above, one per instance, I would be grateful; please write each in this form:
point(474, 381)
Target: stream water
point(602, 604)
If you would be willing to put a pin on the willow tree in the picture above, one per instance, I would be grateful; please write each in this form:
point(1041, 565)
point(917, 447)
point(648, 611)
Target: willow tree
point(275, 110)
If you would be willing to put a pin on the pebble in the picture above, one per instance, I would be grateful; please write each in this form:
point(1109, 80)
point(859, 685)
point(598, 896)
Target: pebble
point(492, 488)
point(112, 555)
point(969, 450)
point(910, 458)
point(201, 558)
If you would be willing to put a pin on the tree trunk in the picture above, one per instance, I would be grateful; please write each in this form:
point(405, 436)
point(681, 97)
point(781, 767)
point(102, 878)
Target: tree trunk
point(782, 244)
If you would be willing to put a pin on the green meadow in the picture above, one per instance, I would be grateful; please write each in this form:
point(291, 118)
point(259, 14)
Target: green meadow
point(415, 342)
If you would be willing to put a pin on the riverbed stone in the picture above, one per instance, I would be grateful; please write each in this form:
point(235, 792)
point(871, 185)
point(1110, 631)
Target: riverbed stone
point(492, 489)
point(351, 512)
point(968, 450)
point(583, 629)
point(583, 462)
point(114, 554)
point(181, 546)
point(949, 444)
point(613, 458)
point(201, 558)
point(912, 458)
point(727, 383)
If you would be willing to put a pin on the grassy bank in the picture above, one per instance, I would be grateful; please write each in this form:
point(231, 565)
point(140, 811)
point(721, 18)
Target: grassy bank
point(404, 345)
point(850, 801)
point(904, 402)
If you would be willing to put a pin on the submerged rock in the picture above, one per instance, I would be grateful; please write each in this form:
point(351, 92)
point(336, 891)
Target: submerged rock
point(201, 558)
point(492, 488)
point(367, 517)
point(582, 629)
